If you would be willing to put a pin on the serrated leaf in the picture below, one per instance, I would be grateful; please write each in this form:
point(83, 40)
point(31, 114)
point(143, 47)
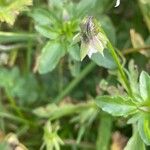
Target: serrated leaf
point(9, 12)
point(144, 129)
point(144, 86)
point(116, 106)
point(135, 143)
point(50, 56)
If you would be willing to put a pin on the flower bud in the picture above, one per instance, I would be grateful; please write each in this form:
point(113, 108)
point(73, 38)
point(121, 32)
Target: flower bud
point(93, 39)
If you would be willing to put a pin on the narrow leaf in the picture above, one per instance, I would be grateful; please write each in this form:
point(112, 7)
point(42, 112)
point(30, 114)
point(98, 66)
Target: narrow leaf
point(144, 129)
point(145, 86)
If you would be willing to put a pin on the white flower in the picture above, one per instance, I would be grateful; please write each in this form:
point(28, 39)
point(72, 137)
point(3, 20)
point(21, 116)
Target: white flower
point(91, 51)
point(117, 3)
point(93, 40)
point(95, 44)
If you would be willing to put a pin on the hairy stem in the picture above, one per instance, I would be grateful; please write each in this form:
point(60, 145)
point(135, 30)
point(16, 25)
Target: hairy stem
point(120, 68)
point(133, 50)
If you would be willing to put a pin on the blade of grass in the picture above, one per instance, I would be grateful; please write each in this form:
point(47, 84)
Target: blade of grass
point(7, 37)
point(104, 132)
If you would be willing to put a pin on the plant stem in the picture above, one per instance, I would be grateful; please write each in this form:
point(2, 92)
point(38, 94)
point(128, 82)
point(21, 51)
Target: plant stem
point(29, 52)
point(132, 50)
point(13, 104)
point(13, 37)
point(120, 69)
point(84, 145)
point(75, 82)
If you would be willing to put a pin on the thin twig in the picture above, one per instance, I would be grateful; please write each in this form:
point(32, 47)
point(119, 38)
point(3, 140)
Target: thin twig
point(132, 50)
point(7, 48)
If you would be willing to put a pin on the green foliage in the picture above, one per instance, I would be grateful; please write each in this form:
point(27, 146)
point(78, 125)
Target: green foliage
point(145, 86)
point(18, 87)
point(135, 143)
point(121, 106)
point(10, 9)
point(144, 130)
point(117, 106)
point(51, 54)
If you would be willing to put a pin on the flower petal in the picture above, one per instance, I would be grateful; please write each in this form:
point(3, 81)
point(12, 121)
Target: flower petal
point(84, 49)
point(117, 3)
point(91, 51)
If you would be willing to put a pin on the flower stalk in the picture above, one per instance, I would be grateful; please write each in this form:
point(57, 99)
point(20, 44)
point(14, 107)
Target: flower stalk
point(120, 68)
point(94, 40)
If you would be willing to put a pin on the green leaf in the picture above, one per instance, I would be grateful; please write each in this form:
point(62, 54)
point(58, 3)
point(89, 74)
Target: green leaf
point(9, 12)
point(84, 6)
point(50, 56)
point(46, 31)
point(145, 86)
point(134, 119)
point(133, 79)
point(116, 106)
point(42, 16)
point(75, 67)
point(74, 52)
point(25, 89)
point(135, 143)
point(105, 61)
point(56, 3)
point(144, 129)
